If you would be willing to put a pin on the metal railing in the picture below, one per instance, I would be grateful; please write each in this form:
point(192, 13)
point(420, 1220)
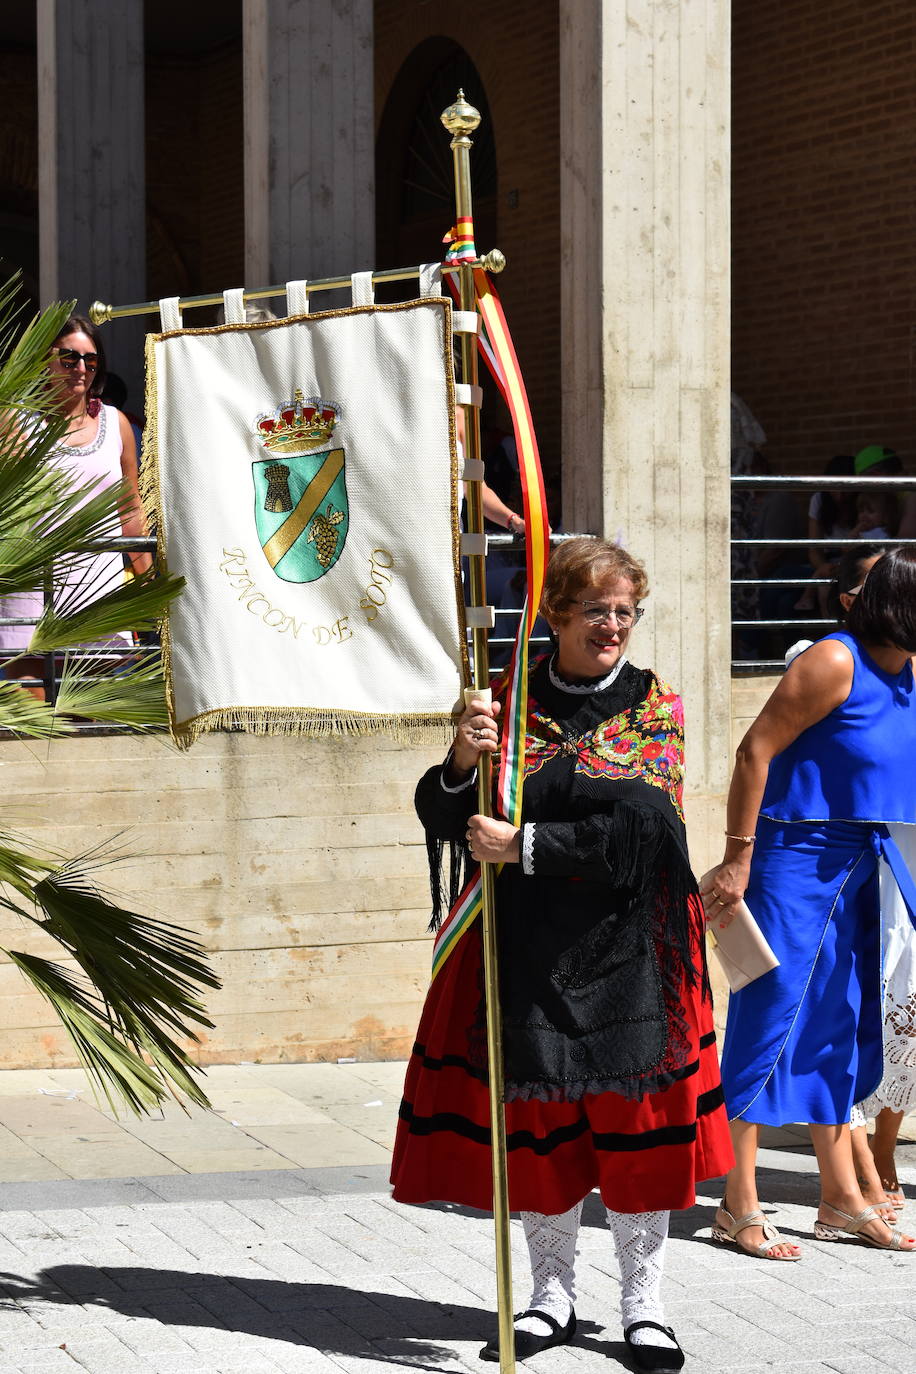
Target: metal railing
point(509, 559)
point(506, 559)
point(771, 629)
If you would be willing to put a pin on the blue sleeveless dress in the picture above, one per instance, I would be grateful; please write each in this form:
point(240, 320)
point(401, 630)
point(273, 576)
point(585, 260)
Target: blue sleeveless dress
point(804, 1042)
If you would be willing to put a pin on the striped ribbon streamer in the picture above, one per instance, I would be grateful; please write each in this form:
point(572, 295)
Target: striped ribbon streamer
point(465, 911)
point(499, 353)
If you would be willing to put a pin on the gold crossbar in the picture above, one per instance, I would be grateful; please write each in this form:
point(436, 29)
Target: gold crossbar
point(100, 313)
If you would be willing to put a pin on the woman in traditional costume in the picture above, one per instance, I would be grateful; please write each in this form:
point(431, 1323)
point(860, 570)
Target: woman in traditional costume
point(823, 772)
point(611, 1073)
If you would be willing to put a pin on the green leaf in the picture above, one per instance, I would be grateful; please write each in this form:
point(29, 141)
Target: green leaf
point(139, 603)
point(50, 520)
point(146, 972)
point(114, 1069)
point(26, 715)
point(19, 869)
point(136, 697)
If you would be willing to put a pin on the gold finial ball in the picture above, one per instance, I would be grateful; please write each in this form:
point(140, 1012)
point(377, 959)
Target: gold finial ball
point(494, 261)
point(99, 312)
point(460, 118)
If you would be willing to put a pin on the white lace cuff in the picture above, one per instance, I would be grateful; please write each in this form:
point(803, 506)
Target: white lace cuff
point(461, 786)
point(528, 849)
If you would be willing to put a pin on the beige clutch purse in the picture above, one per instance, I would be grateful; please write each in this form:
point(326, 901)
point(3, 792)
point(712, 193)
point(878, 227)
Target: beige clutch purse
point(740, 946)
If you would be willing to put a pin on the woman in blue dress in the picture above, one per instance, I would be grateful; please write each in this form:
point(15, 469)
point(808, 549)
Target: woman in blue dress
point(822, 771)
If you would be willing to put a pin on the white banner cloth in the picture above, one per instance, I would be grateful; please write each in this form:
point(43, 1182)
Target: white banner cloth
point(303, 477)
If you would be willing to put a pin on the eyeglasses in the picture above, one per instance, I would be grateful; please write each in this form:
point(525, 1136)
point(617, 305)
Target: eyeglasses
point(595, 612)
point(70, 358)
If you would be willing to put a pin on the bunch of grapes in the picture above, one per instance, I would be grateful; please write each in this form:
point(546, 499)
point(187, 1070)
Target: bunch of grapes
point(324, 535)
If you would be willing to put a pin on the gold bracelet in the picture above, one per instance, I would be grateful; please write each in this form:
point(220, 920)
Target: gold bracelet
point(745, 839)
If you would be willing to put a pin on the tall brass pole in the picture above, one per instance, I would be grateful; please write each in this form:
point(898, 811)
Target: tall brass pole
point(461, 119)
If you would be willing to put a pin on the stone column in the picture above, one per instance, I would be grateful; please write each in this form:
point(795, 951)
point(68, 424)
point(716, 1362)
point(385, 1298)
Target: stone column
point(645, 337)
point(309, 157)
point(91, 183)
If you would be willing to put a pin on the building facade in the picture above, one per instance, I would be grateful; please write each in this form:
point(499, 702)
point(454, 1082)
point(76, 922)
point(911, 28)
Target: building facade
point(181, 150)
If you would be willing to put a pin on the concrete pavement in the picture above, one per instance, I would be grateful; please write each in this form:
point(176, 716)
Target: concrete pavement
point(261, 1237)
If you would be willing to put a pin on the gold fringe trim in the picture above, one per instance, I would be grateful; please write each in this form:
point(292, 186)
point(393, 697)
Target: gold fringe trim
point(315, 723)
point(151, 496)
point(150, 493)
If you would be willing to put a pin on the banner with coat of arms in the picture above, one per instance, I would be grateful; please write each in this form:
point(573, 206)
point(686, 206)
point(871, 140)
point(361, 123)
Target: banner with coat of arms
point(303, 478)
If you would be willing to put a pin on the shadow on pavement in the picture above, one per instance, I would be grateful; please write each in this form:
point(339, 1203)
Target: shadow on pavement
point(331, 1318)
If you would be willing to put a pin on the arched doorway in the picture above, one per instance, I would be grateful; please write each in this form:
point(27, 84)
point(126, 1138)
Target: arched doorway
point(415, 199)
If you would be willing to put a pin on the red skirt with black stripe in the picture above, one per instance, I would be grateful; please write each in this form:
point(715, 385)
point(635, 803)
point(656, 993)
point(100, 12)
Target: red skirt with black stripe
point(643, 1156)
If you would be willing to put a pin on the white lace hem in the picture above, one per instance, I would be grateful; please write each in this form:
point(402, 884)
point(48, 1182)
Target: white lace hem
point(897, 1088)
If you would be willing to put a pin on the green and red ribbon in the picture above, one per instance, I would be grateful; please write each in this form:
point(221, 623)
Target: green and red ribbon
point(460, 240)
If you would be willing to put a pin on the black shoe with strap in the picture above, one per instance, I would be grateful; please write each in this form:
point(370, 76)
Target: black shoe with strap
point(655, 1359)
point(528, 1344)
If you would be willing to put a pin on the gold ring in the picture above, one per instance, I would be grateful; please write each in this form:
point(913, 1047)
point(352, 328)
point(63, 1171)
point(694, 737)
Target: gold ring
point(720, 902)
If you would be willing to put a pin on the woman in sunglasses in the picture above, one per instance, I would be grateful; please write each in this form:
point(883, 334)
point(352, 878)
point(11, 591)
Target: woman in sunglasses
point(612, 1080)
point(98, 445)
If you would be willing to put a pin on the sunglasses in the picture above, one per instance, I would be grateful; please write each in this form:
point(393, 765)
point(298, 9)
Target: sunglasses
point(70, 359)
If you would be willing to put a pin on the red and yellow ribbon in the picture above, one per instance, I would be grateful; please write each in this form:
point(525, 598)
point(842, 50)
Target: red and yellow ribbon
point(498, 352)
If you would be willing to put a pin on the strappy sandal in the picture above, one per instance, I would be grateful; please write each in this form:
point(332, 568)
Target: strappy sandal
point(728, 1235)
point(853, 1227)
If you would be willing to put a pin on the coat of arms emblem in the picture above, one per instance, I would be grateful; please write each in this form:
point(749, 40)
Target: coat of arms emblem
point(300, 491)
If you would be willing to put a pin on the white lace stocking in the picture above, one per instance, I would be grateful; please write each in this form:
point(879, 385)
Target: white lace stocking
point(639, 1239)
point(552, 1249)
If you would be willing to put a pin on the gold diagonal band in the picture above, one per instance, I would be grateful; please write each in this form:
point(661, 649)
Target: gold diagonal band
point(283, 539)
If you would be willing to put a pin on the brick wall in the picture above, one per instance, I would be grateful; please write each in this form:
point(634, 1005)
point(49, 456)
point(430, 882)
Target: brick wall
point(524, 103)
point(19, 167)
point(824, 251)
point(194, 182)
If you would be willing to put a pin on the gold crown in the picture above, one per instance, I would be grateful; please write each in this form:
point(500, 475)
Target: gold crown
point(297, 425)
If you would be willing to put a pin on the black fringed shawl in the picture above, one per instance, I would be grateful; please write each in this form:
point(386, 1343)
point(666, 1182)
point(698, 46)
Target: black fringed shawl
point(602, 942)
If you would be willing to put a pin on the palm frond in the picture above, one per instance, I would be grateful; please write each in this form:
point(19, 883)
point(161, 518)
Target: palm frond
point(138, 603)
point(136, 697)
point(146, 972)
point(49, 523)
point(114, 1068)
point(27, 716)
point(143, 957)
point(20, 869)
point(23, 373)
point(134, 1000)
